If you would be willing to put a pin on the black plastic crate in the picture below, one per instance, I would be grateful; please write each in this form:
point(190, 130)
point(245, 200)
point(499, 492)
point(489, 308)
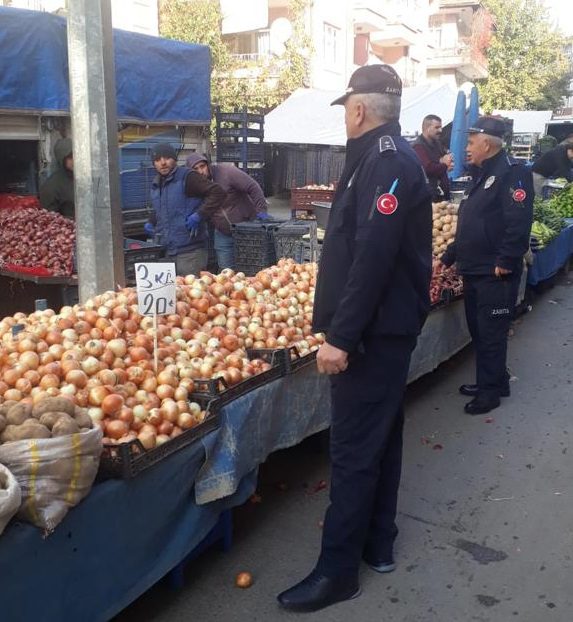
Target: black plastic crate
point(240, 152)
point(254, 246)
point(295, 240)
point(138, 251)
point(127, 460)
point(289, 358)
point(212, 264)
point(240, 117)
point(239, 132)
point(217, 388)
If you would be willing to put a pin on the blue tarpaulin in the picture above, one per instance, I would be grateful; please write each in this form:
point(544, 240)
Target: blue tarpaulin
point(548, 261)
point(157, 80)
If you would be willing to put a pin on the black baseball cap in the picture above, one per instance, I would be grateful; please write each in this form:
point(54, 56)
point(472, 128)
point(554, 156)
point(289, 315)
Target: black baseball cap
point(494, 126)
point(163, 150)
point(372, 79)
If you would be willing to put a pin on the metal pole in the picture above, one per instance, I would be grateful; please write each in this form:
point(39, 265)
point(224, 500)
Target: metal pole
point(95, 147)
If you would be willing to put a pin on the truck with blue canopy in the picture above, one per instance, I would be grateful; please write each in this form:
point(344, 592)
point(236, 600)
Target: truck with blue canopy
point(162, 94)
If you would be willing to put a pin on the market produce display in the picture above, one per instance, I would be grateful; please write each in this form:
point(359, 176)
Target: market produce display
point(18, 201)
point(100, 356)
point(36, 240)
point(445, 222)
point(47, 418)
point(562, 202)
point(445, 282)
point(547, 223)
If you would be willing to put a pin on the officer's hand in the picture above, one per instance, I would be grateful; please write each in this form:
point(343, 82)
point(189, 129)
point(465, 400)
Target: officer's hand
point(331, 360)
point(501, 271)
point(192, 222)
point(149, 229)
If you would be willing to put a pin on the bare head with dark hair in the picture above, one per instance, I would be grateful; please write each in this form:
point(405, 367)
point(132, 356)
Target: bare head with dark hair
point(432, 127)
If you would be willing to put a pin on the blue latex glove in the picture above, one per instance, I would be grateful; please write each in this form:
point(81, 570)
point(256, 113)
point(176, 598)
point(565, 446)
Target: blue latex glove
point(149, 229)
point(263, 216)
point(192, 222)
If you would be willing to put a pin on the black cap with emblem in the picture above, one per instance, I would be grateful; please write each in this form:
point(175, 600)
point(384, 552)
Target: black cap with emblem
point(372, 79)
point(494, 126)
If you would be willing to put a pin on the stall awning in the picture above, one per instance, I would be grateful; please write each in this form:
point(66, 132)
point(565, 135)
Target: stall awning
point(307, 117)
point(157, 80)
point(527, 121)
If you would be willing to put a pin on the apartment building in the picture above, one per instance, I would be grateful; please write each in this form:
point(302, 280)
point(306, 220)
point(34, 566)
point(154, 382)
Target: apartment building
point(459, 31)
point(134, 15)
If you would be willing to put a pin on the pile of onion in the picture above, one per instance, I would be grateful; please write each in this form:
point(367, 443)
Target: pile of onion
point(100, 354)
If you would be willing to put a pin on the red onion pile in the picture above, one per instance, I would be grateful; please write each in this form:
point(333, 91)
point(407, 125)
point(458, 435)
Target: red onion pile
point(444, 279)
point(32, 237)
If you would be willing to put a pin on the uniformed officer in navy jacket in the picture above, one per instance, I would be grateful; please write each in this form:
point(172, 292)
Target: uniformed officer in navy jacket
point(371, 300)
point(494, 225)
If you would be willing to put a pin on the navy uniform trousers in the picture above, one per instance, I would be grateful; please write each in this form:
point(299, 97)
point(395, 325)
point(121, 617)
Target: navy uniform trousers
point(366, 455)
point(490, 307)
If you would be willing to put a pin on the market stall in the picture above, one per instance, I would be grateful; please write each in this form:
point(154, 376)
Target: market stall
point(551, 235)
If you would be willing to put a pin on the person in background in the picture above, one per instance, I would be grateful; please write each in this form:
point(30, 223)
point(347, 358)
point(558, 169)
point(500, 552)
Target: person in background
point(436, 160)
point(371, 301)
point(494, 224)
point(57, 192)
point(182, 201)
point(245, 202)
point(555, 163)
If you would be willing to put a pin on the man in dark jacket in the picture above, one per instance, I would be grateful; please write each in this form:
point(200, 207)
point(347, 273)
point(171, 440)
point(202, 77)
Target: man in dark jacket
point(435, 159)
point(494, 223)
point(555, 163)
point(182, 201)
point(57, 192)
point(371, 300)
point(245, 201)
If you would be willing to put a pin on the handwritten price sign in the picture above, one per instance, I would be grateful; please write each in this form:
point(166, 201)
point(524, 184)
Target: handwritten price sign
point(156, 294)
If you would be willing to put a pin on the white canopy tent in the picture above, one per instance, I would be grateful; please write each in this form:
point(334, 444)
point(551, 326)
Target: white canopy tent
point(527, 121)
point(307, 118)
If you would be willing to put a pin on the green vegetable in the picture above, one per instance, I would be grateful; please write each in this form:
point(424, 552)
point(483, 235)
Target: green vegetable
point(562, 202)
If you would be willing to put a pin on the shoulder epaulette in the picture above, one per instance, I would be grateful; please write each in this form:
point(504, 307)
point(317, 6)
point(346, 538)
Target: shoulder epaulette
point(387, 144)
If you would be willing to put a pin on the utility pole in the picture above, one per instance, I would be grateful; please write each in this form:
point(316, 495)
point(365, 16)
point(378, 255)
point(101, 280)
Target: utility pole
point(95, 147)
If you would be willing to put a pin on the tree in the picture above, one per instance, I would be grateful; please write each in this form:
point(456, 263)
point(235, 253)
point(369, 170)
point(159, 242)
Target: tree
point(235, 84)
point(527, 66)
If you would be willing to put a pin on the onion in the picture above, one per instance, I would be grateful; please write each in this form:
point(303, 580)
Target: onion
point(112, 404)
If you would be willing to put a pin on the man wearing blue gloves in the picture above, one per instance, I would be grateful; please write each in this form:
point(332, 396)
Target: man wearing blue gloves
point(245, 201)
point(183, 201)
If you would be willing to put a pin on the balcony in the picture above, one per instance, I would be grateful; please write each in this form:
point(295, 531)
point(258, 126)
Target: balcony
point(461, 58)
point(366, 20)
point(395, 35)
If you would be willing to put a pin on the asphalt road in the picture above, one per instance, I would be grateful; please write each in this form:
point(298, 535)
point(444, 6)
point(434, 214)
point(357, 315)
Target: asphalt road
point(485, 513)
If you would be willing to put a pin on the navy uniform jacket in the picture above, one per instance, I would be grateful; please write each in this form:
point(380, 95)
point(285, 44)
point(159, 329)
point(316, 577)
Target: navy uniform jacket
point(494, 220)
point(376, 262)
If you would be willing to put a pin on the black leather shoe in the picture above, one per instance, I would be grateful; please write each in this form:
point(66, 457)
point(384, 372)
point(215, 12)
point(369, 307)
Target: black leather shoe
point(382, 566)
point(317, 592)
point(481, 406)
point(471, 390)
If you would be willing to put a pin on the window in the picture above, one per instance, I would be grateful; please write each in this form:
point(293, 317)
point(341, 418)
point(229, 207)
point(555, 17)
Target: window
point(331, 38)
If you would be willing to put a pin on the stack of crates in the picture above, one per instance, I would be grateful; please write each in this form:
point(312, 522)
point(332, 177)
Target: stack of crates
point(254, 246)
point(240, 141)
point(297, 239)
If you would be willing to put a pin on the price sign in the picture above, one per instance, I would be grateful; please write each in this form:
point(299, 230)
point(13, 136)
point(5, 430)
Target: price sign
point(156, 294)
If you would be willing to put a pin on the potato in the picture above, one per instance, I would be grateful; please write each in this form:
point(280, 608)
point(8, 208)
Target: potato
point(19, 413)
point(65, 426)
point(2, 423)
point(32, 429)
point(53, 404)
point(9, 434)
point(82, 418)
point(5, 407)
point(48, 419)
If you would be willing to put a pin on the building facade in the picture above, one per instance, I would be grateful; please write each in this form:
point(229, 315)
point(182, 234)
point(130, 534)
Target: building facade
point(135, 15)
point(424, 40)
